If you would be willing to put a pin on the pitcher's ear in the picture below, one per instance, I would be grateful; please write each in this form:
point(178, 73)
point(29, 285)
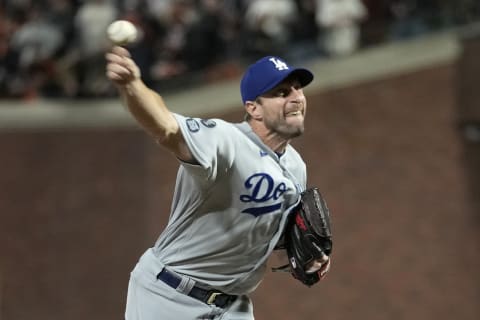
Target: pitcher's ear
point(253, 110)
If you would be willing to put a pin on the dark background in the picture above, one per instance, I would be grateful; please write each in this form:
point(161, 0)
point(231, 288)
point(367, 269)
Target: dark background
point(78, 207)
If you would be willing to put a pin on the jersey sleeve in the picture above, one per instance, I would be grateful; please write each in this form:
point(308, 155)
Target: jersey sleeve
point(211, 143)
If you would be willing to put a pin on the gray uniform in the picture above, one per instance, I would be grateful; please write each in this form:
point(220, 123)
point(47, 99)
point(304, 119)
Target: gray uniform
point(226, 218)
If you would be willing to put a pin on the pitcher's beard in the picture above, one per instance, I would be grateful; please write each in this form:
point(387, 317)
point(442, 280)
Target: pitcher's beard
point(286, 129)
point(288, 132)
point(297, 132)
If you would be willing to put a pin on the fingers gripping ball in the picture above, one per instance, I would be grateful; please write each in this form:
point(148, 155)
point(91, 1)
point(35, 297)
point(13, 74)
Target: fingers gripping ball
point(122, 32)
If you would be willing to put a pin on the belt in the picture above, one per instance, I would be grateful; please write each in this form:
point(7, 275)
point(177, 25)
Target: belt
point(210, 297)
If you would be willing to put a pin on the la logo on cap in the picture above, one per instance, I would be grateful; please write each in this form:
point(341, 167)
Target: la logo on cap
point(279, 64)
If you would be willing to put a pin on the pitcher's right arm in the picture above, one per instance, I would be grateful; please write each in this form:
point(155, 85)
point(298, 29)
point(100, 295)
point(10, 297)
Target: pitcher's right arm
point(146, 106)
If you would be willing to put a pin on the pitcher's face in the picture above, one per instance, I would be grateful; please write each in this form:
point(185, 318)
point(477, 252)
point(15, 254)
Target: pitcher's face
point(283, 109)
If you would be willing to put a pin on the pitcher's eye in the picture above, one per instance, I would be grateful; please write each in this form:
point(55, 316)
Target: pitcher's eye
point(282, 92)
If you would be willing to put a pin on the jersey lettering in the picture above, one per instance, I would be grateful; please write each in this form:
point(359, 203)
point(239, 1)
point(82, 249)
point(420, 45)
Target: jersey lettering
point(262, 188)
point(208, 123)
point(193, 125)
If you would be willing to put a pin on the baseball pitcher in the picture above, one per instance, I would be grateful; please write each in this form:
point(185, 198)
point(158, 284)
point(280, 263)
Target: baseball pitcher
point(241, 193)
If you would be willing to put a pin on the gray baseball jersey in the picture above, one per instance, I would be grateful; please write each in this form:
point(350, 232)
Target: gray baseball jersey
point(228, 210)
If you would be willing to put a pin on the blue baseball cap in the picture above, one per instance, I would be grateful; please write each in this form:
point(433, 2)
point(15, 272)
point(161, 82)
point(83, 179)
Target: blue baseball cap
point(266, 73)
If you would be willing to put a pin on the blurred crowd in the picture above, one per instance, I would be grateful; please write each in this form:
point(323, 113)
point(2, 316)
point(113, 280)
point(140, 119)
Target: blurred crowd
point(55, 48)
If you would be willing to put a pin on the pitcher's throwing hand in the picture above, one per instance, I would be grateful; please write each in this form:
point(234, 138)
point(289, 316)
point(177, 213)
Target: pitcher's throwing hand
point(121, 69)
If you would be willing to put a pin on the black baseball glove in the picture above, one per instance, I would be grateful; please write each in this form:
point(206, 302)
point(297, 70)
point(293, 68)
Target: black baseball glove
point(307, 236)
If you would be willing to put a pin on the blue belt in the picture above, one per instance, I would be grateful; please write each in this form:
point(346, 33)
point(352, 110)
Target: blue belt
point(210, 297)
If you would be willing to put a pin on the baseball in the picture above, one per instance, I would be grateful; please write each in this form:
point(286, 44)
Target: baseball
point(122, 32)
